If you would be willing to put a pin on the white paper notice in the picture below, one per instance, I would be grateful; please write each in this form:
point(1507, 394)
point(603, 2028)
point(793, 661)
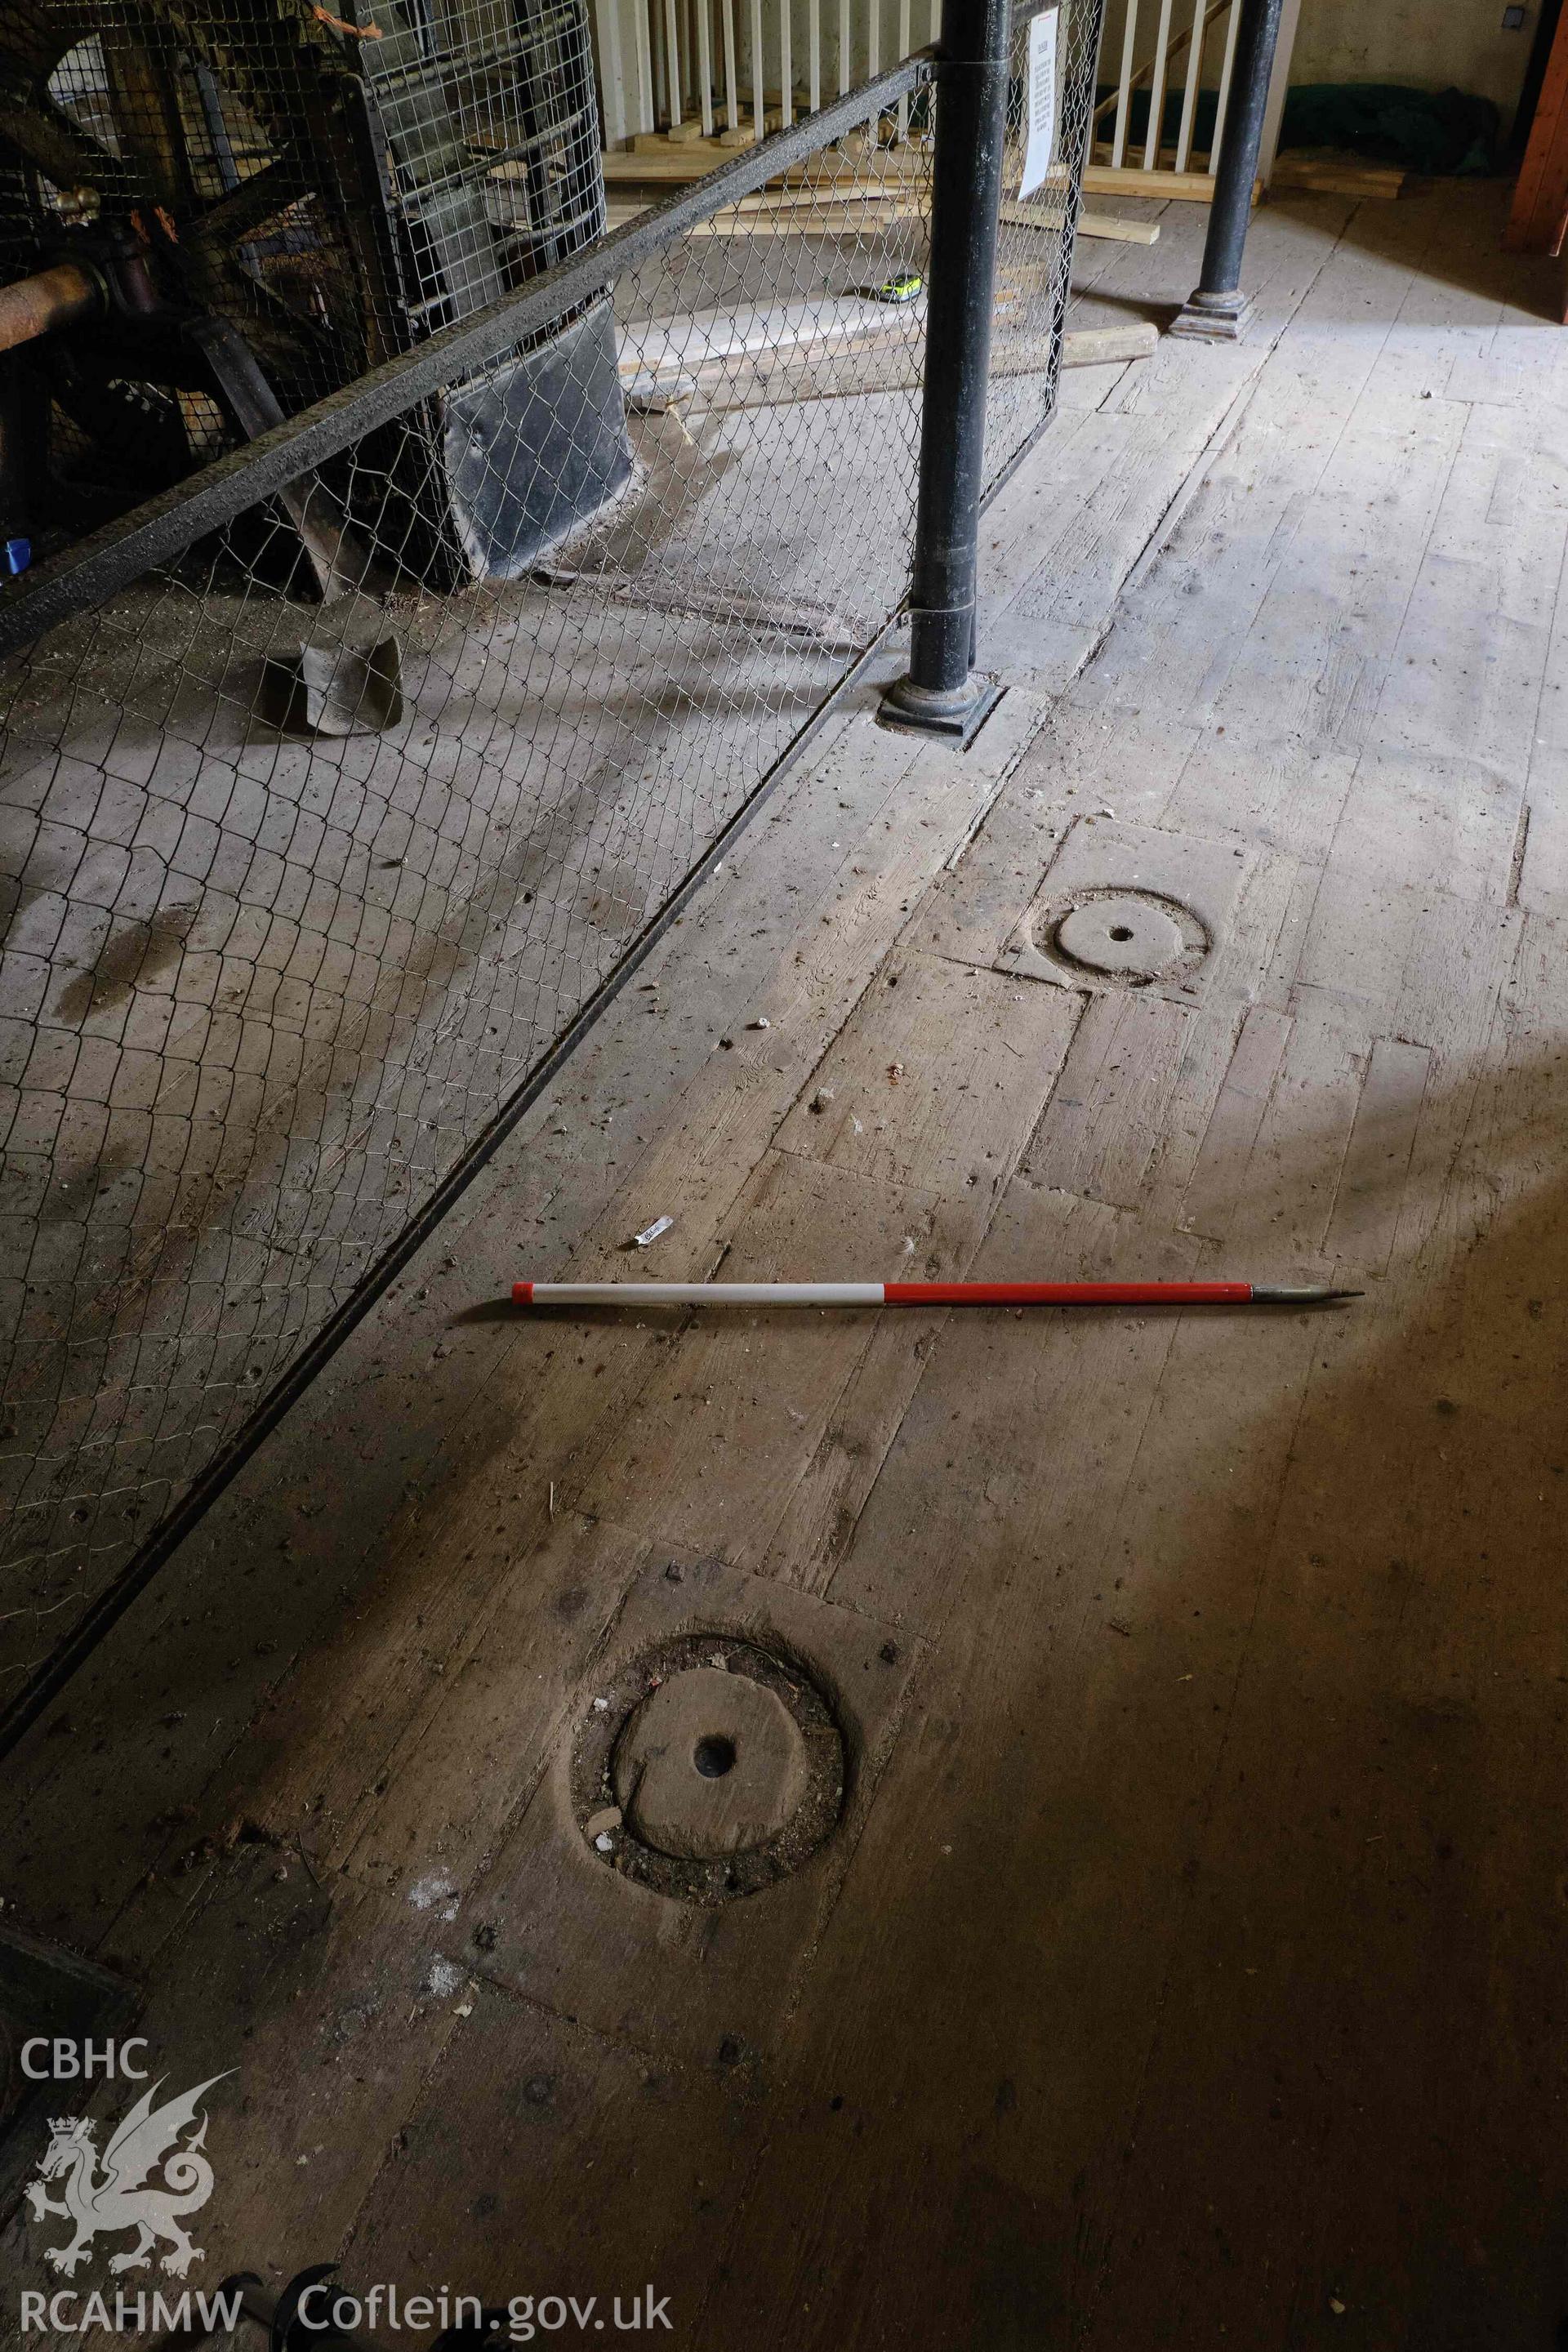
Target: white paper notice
point(1042, 99)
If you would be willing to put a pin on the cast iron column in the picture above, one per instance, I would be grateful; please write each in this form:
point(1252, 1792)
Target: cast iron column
point(1216, 309)
point(941, 692)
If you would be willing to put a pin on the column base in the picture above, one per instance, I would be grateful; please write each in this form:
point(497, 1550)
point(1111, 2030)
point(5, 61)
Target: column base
point(956, 711)
point(1213, 318)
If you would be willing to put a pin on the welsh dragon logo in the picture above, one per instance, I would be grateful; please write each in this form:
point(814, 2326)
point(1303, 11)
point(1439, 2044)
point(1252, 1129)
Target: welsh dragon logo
point(123, 2194)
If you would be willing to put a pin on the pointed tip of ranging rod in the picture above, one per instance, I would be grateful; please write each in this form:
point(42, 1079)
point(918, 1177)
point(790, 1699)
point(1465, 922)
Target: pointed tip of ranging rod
point(1285, 1294)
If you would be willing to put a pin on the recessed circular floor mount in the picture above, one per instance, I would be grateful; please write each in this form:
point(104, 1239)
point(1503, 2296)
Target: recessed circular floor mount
point(712, 1764)
point(708, 1769)
point(1129, 937)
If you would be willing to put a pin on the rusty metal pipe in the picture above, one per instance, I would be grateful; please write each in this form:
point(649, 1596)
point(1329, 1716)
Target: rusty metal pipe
point(61, 297)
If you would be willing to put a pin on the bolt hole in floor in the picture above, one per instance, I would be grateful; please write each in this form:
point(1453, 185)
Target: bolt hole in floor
point(714, 1756)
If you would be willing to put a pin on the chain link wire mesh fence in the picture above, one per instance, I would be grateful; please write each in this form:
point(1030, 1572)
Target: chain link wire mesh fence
point(1035, 242)
point(359, 764)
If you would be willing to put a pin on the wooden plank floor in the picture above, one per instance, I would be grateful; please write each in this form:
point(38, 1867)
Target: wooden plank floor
point(1189, 1965)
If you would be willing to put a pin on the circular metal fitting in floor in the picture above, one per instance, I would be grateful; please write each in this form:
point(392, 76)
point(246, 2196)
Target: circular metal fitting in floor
point(1130, 936)
point(708, 1769)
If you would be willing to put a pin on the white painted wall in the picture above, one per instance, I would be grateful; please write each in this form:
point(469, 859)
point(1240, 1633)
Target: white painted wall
point(1429, 44)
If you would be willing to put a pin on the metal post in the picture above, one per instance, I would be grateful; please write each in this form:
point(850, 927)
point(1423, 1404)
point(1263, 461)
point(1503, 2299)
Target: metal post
point(1217, 310)
point(941, 693)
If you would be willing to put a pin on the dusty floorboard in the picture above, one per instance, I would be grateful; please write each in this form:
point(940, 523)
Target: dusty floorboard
point(1188, 1963)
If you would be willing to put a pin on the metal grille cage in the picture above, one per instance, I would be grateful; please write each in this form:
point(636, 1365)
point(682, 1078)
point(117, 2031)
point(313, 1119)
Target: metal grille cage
point(317, 195)
point(343, 777)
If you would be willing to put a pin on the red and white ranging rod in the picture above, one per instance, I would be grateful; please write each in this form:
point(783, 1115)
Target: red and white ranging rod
point(923, 1294)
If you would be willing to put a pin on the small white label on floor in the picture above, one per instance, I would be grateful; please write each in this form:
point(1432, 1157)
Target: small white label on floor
point(1042, 123)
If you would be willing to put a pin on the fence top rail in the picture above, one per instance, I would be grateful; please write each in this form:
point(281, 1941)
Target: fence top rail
point(160, 530)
